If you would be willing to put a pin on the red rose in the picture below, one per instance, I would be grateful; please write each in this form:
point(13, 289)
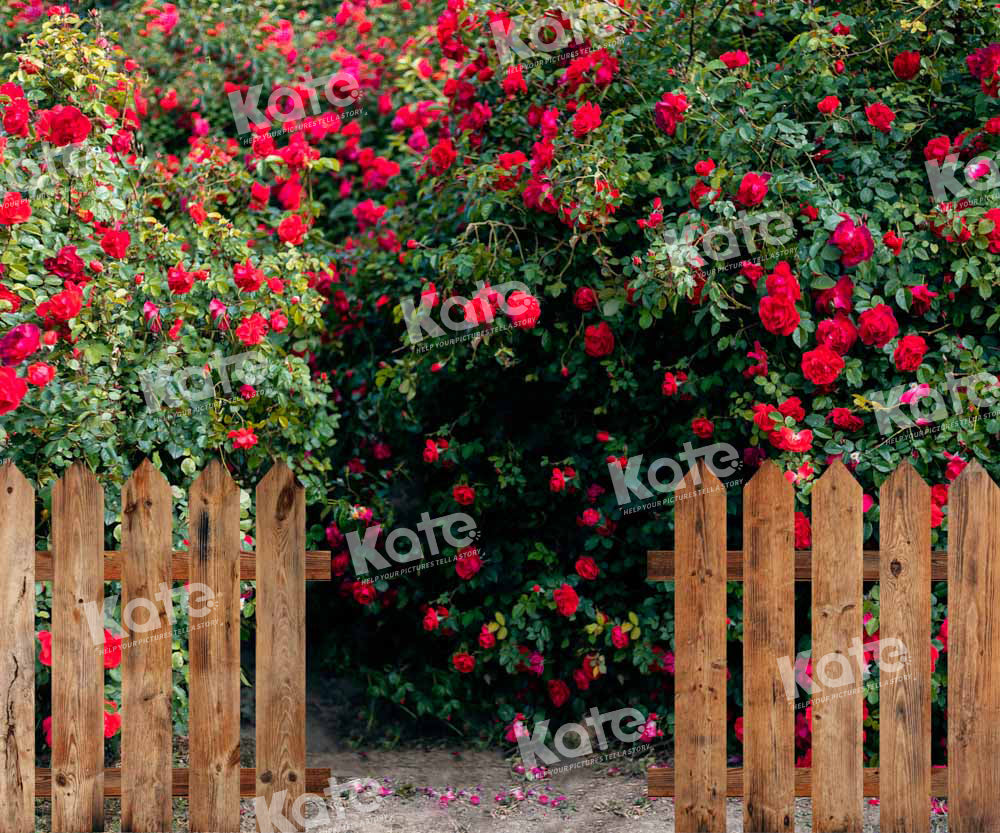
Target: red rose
point(179, 281)
point(598, 340)
point(19, 343)
point(843, 418)
point(558, 692)
point(921, 298)
point(364, 592)
point(587, 568)
point(566, 599)
point(587, 118)
point(906, 65)
point(736, 59)
point(464, 662)
point(782, 282)
point(45, 654)
point(803, 532)
point(112, 650)
point(878, 326)
point(12, 390)
point(672, 383)
point(828, 105)
point(252, 329)
point(837, 333)
point(523, 309)
point(112, 720)
point(40, 374)
point(15, 209)
point(486, 638)
point(62, 125)
point(788, 439)
point(467, 564)
point(115, 243)
point(442, 157)
point(292, 230)
point(937, 149)
point(67, 264)
point(893, 241)
point(909, 353)
point(779, 315)
point(585, 298)
point(822, 365)
point(792, 407)
point(879, 116)
point(704, 167)
point(243, 438)
point(699, 191)
point(702, 427)
point(61, 307)
point(669, 112)
point(753, 189)
point(246, 277)
point(16, 116)
point(464, 495)
point(855, 242)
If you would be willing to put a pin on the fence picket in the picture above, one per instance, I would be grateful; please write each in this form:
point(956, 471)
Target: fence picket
point(281, 647)
point(17, 657)
point(700, 664)
point(768, 633)
point(147, 687)
point(214, 645)
point(905, 614)
point(77, 654)
point(836, 621)
point(973, 652)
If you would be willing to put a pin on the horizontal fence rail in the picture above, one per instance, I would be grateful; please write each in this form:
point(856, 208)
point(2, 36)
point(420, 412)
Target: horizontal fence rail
point(78, 565)
point(836, 568)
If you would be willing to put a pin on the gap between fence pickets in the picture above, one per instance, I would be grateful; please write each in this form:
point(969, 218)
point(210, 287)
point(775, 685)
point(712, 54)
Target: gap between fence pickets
point(317, 780)
point(660, 782)
point(317, 565)
point(660, 565)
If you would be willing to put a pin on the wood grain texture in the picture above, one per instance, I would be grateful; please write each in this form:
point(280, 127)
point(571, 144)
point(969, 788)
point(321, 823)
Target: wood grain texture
point(904, 676)
point(836, 624)
point(17, 652)
point(147, 687)
point(317, 780)
point(660, 565)
point(317, 566)
point(973, 652)
point(768, 635)
point(214, 644)
point(700, 682)
point(281, 641)
point(77, 654)
point(660, 782)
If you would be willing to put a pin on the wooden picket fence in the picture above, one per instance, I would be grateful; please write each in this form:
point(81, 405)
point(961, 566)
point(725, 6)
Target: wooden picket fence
point(836, 566)
point(78, 566)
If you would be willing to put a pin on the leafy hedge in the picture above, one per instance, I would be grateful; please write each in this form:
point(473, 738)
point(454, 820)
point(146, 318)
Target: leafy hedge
point(580, 179)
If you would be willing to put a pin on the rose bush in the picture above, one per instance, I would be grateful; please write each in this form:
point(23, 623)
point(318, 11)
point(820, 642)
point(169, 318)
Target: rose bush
point(593, 179)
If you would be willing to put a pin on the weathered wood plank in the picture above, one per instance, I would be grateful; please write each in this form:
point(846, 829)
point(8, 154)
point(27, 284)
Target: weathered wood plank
point(660, 782)
point(214, 645)
point(281, 645)
point(700, 622)
point(973, 652)
point(317, 780)
point(836, 622)
point(77, 653)
point(17, 656)
point(904, 676)
point(660, 565)
point(317, 566)
point(768, 635)
point(147, 729)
